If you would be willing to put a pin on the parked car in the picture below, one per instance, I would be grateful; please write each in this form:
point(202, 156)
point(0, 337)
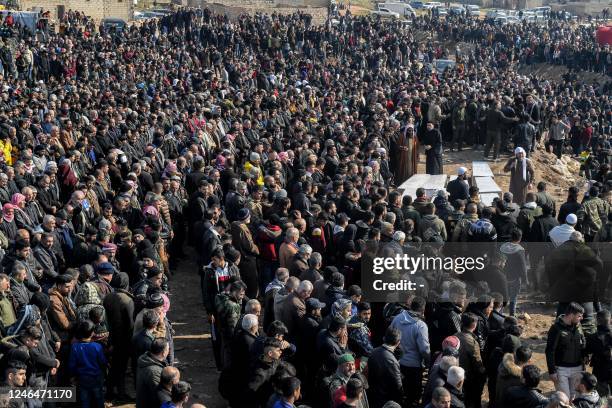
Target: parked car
point(385, 13)
point(493, 14)
point(441, 65)
point(162, 11)
point(542, 10)
point(431, 4)
point(441, 11)
point(456, 10)
point(472, 10)
point(512, 20)
point(417, 5)
point(114, 23)
point(567, 16)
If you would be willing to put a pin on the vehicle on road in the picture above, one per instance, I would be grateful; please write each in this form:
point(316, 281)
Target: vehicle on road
point(441, 65)
point(417, 5)
point(507, 20)
point(456, 10)
point(431, 4)
point(114, 23)
point(386, 13)
point(162, 11)
point(403, 9)
point(441, 11)
point(472, 10)
point(145, 15)
point(494, 13)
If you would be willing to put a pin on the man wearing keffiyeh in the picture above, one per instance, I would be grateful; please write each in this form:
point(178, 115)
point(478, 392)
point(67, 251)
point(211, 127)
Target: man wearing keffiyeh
point(522, 175)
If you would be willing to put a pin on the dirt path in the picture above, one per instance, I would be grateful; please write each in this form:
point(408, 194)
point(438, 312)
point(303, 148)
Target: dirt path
point(192, 339)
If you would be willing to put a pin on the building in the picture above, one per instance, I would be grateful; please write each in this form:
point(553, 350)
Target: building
point(97, 9)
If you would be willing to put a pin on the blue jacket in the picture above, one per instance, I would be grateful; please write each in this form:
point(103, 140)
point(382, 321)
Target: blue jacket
point(87, 360)
point(415, 339)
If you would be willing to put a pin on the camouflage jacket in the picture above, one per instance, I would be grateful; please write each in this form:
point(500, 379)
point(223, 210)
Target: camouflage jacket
point(593, 215)
point(227, 314)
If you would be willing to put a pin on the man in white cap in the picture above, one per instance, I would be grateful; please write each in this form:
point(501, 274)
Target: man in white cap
point(562, 233)
point(459, 189)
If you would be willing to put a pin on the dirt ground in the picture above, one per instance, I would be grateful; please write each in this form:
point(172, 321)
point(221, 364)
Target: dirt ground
point(192, 338)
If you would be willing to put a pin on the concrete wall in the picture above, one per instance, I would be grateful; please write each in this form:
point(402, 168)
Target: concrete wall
point(97, 9)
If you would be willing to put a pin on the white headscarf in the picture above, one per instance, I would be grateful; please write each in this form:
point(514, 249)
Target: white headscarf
point(523, 160)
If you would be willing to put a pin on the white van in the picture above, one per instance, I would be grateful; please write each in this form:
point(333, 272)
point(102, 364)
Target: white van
point(403, 9)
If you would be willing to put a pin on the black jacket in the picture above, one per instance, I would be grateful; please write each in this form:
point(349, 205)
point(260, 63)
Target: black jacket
point(209, 241)
point(504, 224)
point(384, 377)
point(445, 321)
point(331, 295)
point(119, 307)
point(457, 190)
point(600, 344)
point(565, 346)
point(259, 383)
point(541, 227)
point(242, 343)
point(436, 378)
point(575, 273)
point(482, 327)
point(567, 208)
point(328, 350)
point(308, 329)
point(141, 343)
point(524, 397)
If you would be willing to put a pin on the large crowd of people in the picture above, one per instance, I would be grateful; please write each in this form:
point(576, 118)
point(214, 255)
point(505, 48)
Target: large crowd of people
point(271, 148)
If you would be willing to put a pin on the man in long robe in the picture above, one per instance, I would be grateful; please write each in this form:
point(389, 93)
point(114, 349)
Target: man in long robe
point(522, 175)
point(432, 139)
point(404, 154)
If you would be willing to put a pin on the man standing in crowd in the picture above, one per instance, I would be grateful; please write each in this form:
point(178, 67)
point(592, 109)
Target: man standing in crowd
point(566, 358)
point(415, 349)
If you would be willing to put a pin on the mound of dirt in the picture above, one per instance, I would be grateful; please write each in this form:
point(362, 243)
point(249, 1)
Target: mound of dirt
point(564, 172)
point(558, 174)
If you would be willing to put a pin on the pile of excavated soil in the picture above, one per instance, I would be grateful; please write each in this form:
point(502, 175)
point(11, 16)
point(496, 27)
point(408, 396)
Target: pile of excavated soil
point(558, 174)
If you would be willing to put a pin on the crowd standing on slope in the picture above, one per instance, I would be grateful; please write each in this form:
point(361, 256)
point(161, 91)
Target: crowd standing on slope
point(273, 147)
